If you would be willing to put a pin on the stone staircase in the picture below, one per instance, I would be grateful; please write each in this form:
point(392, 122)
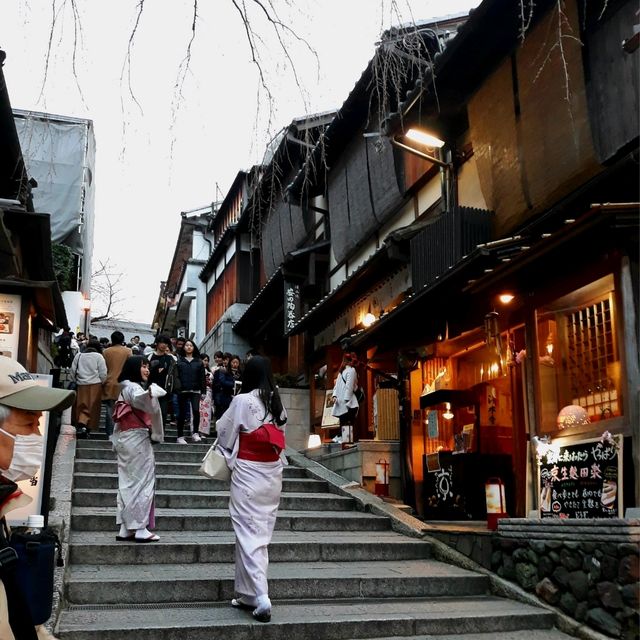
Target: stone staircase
point(335, 573)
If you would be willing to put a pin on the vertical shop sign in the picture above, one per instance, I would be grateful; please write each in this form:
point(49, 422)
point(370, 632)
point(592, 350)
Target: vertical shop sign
point(291, 305)
point(432, 424)
point(10, 307)
point(582, 480)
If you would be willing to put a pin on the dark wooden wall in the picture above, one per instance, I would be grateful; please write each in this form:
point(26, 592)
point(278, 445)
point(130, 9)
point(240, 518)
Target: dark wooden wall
point(363, 192)
point(612, 80)
point(222, 295)
point(531, 145)
point(284, 231)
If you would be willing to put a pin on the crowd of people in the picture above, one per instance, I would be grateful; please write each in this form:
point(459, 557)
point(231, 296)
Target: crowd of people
point(198, 392)
point(144, 389)
point(249, 419)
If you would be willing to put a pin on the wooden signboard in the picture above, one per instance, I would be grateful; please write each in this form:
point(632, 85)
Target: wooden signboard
point(582, 480)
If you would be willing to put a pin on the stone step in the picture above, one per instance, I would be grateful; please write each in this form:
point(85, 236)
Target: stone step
point(106, 445)
point(307, 620)
point(179, 482)
point(162, 453)
point(103, 519)
point(166, 468)
point(529, 634)
point(167, 499)
point(170, 435)
point(124, 584)
point(189, 547)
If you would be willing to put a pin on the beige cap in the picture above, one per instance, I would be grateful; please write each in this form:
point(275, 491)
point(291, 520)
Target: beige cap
point(20, 390)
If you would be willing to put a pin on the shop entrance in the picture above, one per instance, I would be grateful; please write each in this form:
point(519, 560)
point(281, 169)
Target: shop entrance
point(471, 426)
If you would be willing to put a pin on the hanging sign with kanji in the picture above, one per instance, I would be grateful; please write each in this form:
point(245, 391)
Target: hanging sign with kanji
point(291, 305)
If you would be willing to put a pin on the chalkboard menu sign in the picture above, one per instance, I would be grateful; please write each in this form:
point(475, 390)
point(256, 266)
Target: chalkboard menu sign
point(582, 480)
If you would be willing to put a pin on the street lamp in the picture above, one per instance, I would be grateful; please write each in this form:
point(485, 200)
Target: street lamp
point(425, 139)
point(86, 307)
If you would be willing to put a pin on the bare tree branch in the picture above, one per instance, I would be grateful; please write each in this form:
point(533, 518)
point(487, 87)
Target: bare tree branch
point(106, 291)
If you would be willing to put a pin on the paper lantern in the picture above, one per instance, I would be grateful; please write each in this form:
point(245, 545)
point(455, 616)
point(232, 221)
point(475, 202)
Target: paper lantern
point(382, 478)
point(573, 416)
point(314, 441)
point(496, 502)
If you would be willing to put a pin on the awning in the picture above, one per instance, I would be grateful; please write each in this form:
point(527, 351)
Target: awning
point(43, 296)
point(570, 247)
point(517, 264)
point(32, 260)
point(184, 304)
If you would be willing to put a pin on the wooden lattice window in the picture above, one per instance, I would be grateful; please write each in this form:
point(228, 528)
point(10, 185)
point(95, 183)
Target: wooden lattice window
point(592, 354)
point(578, 354)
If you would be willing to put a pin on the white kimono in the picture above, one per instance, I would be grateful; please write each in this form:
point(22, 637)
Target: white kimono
point(343, 392)
point(136, 461)
point(255, 493)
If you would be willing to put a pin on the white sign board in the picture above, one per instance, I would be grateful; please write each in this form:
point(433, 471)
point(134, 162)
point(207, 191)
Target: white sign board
point(10, 307)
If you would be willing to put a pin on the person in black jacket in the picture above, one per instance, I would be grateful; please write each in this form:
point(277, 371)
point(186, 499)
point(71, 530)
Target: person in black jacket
point(223, 386)
point(192, 386)
point(160, 362)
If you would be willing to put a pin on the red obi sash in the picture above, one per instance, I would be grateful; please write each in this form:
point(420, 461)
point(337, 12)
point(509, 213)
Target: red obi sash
point(262, 445)
point(128, 418)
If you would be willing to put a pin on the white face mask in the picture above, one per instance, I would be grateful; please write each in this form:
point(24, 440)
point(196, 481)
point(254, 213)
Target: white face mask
point(27, 457)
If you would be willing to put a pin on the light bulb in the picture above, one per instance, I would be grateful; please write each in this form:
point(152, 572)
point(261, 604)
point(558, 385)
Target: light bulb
point(448, 414)
point(368, 319)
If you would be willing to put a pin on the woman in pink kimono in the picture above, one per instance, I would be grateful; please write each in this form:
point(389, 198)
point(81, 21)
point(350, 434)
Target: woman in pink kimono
point(206, 400)
point(251, 436)
point(138, 425)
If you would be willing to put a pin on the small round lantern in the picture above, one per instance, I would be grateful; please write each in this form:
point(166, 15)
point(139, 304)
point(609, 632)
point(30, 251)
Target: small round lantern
point(573, 416)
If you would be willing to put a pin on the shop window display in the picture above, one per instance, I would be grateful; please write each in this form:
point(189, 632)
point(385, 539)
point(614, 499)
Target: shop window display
point(578, 355)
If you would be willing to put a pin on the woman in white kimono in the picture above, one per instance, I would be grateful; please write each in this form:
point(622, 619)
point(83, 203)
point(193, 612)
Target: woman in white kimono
point(138, 424)
point(345, 403)
point(251, 436)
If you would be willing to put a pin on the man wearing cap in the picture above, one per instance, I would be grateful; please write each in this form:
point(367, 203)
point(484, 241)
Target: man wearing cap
point(22, 401)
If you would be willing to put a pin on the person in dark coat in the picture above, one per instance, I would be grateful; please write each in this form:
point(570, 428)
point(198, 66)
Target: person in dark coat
point(160, 363)
point(191, 372)
point(223, 387)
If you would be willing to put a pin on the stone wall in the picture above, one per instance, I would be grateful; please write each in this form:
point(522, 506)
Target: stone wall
point(358, 463)
point(296, 402)
point(587, 568)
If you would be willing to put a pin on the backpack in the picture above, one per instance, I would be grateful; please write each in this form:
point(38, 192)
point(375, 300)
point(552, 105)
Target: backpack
point(173, 384)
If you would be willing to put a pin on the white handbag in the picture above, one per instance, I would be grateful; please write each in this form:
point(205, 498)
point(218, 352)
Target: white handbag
point(214, 465)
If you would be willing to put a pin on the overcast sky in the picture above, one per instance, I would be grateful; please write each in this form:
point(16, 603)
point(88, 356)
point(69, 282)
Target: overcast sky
point(177, 153)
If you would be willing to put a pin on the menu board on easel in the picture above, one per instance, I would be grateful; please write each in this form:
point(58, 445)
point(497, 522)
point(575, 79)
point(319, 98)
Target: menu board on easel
point(10, 306)
point(582, 480)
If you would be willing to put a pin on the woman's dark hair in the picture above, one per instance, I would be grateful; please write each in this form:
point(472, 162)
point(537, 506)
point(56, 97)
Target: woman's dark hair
point(349, 359)
point(202, 357)
point(163, 340)
point(131, 369)
point(196, 352)
point(257, 375)
point(94, 346)
point(218, 354)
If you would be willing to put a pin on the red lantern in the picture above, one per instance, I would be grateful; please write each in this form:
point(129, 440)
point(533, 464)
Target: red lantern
point(382, 478)
point(496, 503)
